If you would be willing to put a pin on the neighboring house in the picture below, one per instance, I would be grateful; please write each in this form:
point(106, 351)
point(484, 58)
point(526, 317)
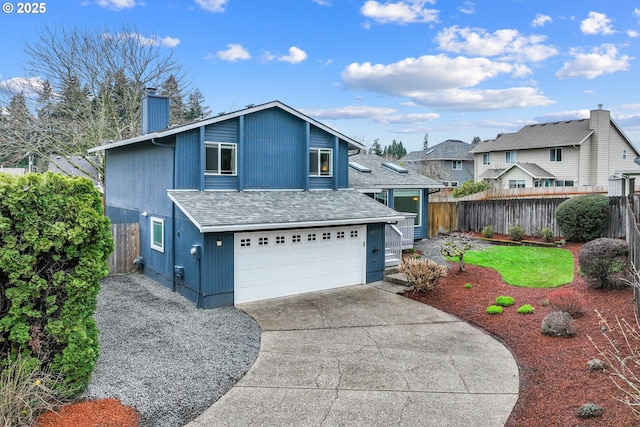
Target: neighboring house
point(245, 206)
point(448, 162)
point(76, 166)
point(571, 153)
point(394, 186)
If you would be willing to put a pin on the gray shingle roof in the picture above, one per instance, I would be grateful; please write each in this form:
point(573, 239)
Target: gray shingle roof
point(384, 178)
point(451, 149)
point(532, 169)
point(254, 210)
point(75, 166)
point(541, 135)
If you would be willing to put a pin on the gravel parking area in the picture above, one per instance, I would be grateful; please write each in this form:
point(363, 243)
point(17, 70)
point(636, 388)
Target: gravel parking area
point(163, 357)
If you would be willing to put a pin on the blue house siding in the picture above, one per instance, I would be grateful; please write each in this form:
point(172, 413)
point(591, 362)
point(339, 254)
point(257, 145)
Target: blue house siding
point(186, 237)
point(342, 167)
point(188, 160)
point(375, 252)
point(158, 265)
point(274, 150)
point(218, 270)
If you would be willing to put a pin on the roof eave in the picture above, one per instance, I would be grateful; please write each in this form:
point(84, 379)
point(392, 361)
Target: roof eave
point(289, 225)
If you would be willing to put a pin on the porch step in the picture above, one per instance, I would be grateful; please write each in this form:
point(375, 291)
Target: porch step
point(390, 259)
point(396, 278)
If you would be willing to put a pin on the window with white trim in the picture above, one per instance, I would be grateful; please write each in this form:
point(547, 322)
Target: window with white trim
point(220, 158)
point(510, 157)
point(320, 162)
point(555, 155)
point(486, 158)
point(157, 234)
point(456, 165)
point(517, 183)
point(408, 201)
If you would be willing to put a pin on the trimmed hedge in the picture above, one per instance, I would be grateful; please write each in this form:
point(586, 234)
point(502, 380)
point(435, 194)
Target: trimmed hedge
point(582, 218)
point(54, 245)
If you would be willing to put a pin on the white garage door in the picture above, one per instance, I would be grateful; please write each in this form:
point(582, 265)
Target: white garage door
point(273, 264)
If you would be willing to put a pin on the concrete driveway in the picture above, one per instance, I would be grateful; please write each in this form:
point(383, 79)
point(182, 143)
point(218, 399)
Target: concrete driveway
point(362, 356)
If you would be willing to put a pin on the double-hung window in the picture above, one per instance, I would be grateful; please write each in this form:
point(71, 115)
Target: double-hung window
point(220, 158)
point(517, 183)
point(510, 157)
point(486, 158)
point(320, 162)
point(456, 165)
point(555, 155)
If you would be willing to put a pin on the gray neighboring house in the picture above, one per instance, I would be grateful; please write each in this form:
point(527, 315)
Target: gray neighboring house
point(76, 166)
point(448, 162)
point(395, 186)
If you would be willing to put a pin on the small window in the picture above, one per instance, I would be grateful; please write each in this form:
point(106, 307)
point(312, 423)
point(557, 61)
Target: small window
point(340, 235)
point(486, 159)
point(624, 154)
point(220, 158)
point(262, 241)
point(516, 183)
point(157, 234)
point(555, 155)
point(245, 242)
point(320, 162)
point(279, 240)
point(510, 157)
point(326, 236)
point(456, 165)
point(354, 233)
point(311, 237)
point(453, 183)
point(295, 238)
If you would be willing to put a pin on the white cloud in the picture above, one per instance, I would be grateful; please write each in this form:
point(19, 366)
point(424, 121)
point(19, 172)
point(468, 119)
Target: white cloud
point(632, 33)
point(29, 86)
point(562, 116)
point(596, 23)
point(400, 12)
point(214, 6)
point(349, 112)
point(167, 41)
point(295, 56)
point(117, 4)
point(441, 81)
point(541, 20)
point(235, 52)
point(601, 60)
point(468, 8)
point(322, 2)
point(407, 118)
point(506, 44)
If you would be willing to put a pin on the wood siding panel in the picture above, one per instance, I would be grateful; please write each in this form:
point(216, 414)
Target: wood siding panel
point(443, 217)
point(126, 242)
point(188, 164)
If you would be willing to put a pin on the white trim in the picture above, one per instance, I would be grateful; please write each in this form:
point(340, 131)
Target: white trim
point(152, 221)
point(319, 152)
point(212, 144)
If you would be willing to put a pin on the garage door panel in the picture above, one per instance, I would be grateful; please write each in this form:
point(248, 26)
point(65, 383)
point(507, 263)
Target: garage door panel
point(282, 263)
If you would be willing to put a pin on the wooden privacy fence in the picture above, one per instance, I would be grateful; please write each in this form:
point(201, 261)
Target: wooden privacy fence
point(633, 239)
point(532, 215)
point(126, 242)
point(443, 217)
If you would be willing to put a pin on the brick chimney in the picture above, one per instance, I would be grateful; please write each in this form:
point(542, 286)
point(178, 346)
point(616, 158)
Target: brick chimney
point(155, 112)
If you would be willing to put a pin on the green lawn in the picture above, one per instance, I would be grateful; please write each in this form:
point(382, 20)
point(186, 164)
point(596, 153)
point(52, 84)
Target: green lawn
point(526, 266)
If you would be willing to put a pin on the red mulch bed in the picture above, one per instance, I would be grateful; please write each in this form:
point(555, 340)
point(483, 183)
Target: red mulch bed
point(91, 413)
point(554, 378)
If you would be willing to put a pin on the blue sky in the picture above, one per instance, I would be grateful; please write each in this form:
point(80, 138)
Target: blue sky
point(452, 69)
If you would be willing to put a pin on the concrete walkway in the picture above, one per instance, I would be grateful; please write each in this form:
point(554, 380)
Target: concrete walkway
point(363, 356)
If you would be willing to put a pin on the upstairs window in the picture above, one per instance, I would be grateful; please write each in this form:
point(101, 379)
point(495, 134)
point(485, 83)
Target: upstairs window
point(486, 159)
point(320, 162)
point(456, 165)
point(220, 158)
point(510, 157)
point(555, 155)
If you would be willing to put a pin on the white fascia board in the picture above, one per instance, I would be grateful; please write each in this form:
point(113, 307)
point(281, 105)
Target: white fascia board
point(293, 225)
point(184, 211)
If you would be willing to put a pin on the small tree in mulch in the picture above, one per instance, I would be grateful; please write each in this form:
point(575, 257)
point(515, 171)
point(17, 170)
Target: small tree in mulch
point(422, 274)
point(455, 246)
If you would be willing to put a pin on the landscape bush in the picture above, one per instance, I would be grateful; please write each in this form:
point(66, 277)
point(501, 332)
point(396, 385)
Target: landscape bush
point(557, 324)
point(516, 233)
point(526, 309)
point(422, 274)
point(488, 231)
point(504, 300)
point(568, 300)
point(468, 285)
point(54, 245)
point(547, 235)
point(590, 410)
point(470, 187)
point(582, 218)
point(494, 309)
point(605, 263)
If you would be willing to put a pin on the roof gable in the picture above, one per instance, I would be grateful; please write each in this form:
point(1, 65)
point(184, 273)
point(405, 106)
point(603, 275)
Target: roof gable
point(451, 149)
point(223, 117)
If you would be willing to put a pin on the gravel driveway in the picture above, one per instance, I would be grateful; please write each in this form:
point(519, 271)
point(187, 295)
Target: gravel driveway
point(162, 356)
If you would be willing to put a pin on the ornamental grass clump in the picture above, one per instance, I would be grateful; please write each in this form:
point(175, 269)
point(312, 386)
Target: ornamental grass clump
point(526, 309)
point(422, 274)
point(494, 309)
point(516, 233)
point(488, 231)
point(505, 301)
point(567, 299)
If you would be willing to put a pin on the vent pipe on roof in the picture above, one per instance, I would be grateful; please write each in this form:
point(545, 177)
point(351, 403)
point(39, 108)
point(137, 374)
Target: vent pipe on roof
point(599, 106)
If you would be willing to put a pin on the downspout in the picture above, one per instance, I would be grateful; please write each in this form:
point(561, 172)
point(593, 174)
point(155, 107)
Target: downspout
point(173, 208)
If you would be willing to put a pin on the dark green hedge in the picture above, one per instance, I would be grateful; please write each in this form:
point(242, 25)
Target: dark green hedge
point(583, 218)
point(54, 245)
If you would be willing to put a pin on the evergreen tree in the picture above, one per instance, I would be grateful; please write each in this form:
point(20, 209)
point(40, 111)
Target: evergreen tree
point(425, 141)
point(375, 148)
point(476, 140)
point(195, 106)
point(177, 109)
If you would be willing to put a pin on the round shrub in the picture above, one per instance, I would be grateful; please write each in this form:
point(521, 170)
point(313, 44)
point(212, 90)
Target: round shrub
point(567, 299)
point(558, 324)
point(487, 231)
point(494, 309)
point(582, 218)
point(590, 410)
point(526, 309)
point(468, 286)
point(605, 262)
point(504, 301)
point(547, 235)
point(516, 233)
